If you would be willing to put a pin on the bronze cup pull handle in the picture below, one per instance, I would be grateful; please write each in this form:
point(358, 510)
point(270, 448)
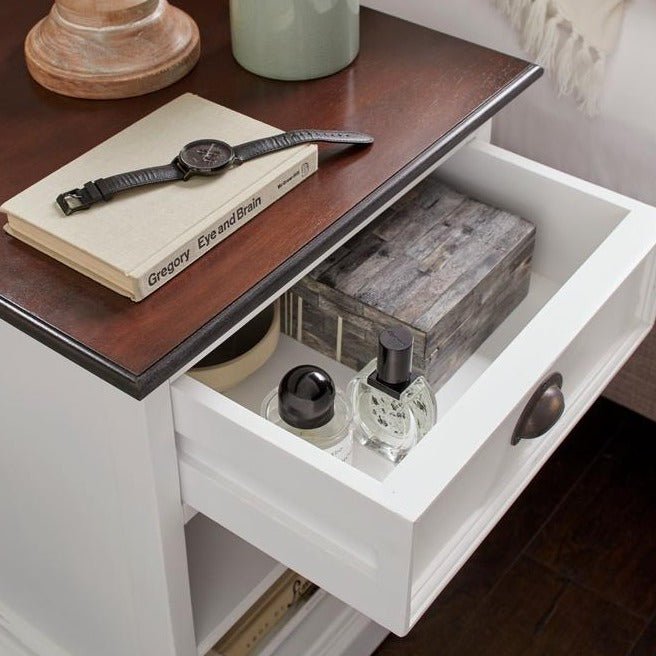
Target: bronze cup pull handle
point(542, 411)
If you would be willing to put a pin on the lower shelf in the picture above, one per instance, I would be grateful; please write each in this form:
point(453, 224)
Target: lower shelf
point(329, 628)
point(226, 575)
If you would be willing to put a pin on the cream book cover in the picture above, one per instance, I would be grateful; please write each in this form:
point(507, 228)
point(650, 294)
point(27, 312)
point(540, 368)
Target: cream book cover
point(142, 238)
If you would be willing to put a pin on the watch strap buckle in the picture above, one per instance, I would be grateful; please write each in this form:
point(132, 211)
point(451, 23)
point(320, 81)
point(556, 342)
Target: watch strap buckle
point(79, 199)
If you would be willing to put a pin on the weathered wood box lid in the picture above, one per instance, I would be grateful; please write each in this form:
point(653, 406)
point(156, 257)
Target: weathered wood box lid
point(448, 267)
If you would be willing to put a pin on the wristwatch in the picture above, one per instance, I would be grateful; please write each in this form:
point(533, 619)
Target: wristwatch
point(202, 157)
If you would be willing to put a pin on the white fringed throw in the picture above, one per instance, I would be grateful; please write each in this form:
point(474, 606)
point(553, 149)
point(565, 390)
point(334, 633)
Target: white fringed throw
point(571, 39)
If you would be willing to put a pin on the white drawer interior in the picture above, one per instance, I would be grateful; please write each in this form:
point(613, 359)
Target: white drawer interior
point(290, 352)
point(387, 539)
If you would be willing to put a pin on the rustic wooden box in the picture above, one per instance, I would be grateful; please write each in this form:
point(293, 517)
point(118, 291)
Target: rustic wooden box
point(447, 266)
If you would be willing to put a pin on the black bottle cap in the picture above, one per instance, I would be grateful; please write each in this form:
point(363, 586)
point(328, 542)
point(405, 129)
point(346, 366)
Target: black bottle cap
point(306, 397)
point(394, 364)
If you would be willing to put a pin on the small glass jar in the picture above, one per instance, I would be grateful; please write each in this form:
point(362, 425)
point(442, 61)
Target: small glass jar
point(392, 408)
point(307, 404)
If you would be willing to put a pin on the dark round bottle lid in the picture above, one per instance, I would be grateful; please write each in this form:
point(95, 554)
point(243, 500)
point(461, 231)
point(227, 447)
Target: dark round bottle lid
point(394, 364)
point(306, 397)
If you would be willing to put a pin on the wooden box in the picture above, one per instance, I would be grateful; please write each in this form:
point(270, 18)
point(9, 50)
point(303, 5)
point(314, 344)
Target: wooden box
point(445, 265)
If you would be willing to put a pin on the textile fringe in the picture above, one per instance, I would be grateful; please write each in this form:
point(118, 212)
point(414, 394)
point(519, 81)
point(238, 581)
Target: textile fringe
point(576, 65)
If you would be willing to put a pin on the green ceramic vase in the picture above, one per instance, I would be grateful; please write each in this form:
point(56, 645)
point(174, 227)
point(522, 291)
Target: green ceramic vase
point(295, 39)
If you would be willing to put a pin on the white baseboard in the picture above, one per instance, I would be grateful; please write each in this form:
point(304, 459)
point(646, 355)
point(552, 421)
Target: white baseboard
point(18, 638)
point(9, 647)
point(330, 628)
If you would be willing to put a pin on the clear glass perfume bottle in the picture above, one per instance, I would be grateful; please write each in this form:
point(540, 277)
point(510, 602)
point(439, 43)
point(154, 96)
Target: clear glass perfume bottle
point(392, 408)
point(307, 404)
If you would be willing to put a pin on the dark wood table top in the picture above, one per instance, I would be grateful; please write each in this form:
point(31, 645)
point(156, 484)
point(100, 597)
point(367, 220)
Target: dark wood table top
point(417, 91)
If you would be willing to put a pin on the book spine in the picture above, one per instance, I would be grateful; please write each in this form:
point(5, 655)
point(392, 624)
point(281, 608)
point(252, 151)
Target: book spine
point(275, 642)
point(224, 226)
point(276, 606)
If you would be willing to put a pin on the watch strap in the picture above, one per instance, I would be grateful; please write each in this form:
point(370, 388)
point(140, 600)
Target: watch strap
point(252, 149)
point(106, 188)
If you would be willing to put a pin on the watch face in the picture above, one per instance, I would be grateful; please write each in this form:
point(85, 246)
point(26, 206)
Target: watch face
point(206, 156)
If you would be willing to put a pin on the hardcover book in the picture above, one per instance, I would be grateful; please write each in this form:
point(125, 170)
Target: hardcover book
point(274, 608)
point(142, 238)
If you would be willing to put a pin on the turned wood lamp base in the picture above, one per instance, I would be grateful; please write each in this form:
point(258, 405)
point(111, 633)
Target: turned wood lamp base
point(111, 48)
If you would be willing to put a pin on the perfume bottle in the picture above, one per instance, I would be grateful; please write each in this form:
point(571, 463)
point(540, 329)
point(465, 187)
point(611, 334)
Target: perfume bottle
point(307, 404)
point(392, 407)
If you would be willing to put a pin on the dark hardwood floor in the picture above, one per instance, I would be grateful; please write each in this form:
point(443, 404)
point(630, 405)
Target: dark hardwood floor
point(571, 568)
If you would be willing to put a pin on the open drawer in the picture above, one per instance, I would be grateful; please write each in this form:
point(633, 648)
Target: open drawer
point(387, 539)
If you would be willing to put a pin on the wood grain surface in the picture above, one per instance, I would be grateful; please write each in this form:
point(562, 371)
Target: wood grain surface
point(117, 49)
point(584, 540)
point(417, 91)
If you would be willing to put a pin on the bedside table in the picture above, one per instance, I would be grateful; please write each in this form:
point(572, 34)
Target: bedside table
point(109, 448)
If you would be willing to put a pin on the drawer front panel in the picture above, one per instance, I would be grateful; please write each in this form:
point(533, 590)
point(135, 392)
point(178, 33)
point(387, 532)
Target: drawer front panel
point(245, 474)
point(473, 502)
point(386, 542)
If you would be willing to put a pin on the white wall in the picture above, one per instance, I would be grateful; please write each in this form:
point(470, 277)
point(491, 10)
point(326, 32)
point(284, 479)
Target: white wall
point(616, 149)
